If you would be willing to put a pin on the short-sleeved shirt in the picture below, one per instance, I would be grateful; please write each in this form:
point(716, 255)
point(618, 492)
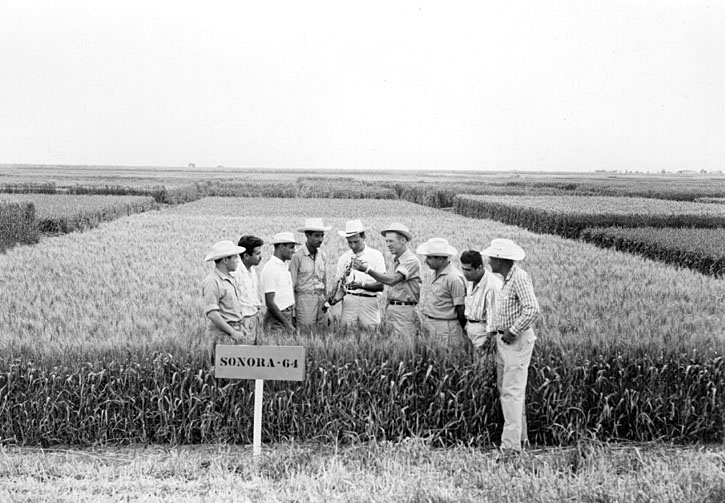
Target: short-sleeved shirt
point(220, 293)
point(481, 299)
point(447, 290)
point(277, 279)
point(249, 293)
point(408, 290)
point(308, 275)
point(371, 257)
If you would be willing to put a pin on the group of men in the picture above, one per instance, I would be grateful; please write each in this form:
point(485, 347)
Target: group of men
point(473, 309)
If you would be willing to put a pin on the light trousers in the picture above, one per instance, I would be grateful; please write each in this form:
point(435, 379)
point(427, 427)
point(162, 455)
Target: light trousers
point(447, 332)
point(360, 309)
point(252, 327)
point(402, 320)
point(310, 310)
point(477, 333)
point(512, 371)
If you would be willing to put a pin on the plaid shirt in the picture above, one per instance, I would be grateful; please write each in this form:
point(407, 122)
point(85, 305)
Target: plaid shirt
point(516, 306)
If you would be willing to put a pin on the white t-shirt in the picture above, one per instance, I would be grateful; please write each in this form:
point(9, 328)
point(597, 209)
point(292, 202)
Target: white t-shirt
point(277, 279)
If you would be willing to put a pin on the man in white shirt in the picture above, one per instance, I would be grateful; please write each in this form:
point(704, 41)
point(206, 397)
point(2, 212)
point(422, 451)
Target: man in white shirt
point(360, 290)
point(277, 283)
point(250, 294)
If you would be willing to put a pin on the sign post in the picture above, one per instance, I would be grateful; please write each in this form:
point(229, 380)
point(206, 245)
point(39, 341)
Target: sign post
point(277, 363)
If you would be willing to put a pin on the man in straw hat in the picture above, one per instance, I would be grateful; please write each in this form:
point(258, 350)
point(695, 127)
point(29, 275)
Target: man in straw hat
point(308, 268)
point(277, 285)
point(516, 311)
point(221, 297)
point(444, 308)
point(361, 291)
point(404, 281)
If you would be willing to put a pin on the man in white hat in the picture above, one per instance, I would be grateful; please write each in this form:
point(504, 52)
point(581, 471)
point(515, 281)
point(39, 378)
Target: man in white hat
point(361, 291)
point(443, 310)
point(221, 297)
point(308, 268)
point(516, 311)
point(404, 281)
point(277, 285)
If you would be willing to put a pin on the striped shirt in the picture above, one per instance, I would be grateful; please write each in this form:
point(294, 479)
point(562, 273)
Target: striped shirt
point(516, 307)
point(481, 299)
point(249, 291)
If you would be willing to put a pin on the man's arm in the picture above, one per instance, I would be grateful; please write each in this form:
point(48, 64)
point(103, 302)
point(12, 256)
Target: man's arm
point(274, 310)
point(222, 325)
point(529, 305)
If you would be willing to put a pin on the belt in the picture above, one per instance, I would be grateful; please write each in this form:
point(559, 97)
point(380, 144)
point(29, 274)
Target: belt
point(439, 319)
point(500, 332)
point(361, 294)
point(402, 302)
point(475, 321)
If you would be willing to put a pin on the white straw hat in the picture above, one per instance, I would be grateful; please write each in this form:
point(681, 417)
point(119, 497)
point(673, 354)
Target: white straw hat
point(352, 227)
point(313, 225)
point(223, 249)
point(284, 238)
point(437, 247)
point(504, 248)
point(399, 228)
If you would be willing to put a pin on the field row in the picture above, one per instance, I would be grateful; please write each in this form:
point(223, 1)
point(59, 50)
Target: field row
point(700, 249)
point(54, 214)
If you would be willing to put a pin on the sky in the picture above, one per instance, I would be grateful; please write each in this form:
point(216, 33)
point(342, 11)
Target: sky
point(529, 85)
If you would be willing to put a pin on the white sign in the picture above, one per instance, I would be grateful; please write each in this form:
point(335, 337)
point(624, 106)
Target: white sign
point(276, 363)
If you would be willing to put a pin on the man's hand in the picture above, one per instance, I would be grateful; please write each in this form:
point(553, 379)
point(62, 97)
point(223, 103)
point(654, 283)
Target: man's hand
point(508, 337)
point(238, 337)
point(359, 265)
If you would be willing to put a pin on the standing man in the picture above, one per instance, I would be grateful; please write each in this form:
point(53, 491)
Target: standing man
point(309, 276)
point(444, 307)
point(221, 297)
point(277, 284)
point(360, 303)
point(481, 290)
point(516, 311)
point(250, 293)
point(404, 281)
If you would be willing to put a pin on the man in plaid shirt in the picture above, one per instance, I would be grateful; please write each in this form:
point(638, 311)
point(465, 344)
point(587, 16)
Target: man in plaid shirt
point(516, 311)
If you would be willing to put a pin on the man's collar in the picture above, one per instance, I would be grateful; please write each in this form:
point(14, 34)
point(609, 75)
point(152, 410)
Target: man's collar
point(445, 270)
point(222, 275)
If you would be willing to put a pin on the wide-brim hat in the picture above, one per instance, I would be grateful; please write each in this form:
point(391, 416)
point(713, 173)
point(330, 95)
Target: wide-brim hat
point(437, 247)
point(284, 238)
point(223, 249)
point(352, 227)
point(314, 225)
point(399, 228)
point(504, 248)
